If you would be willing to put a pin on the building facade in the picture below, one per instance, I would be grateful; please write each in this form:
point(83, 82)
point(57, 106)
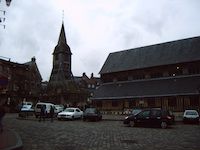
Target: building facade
point(164, 75)
point(19, 82)
point(89, 84)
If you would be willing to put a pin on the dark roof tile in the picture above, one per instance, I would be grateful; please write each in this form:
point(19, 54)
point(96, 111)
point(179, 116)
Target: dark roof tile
point(149, 88)
point(179, 51)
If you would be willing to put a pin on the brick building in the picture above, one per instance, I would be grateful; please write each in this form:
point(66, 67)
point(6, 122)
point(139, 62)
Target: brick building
point(89, 84)
point(164, 75)
point(19, 82)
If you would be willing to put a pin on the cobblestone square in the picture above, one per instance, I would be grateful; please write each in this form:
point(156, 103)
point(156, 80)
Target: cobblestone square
point(103, 135)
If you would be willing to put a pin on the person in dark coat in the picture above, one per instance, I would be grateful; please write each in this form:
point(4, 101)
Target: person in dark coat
point(42, 113)
point(52, 113)
point(2, 114)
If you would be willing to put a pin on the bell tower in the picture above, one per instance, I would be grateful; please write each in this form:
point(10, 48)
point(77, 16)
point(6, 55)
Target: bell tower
point(61, 59)
point(62, 88)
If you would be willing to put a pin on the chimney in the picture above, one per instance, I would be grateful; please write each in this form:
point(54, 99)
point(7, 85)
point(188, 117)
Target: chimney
point(84, 74)
point(33, 59)
point(92, 75)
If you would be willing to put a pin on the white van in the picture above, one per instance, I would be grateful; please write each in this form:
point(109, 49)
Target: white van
point(48, 107)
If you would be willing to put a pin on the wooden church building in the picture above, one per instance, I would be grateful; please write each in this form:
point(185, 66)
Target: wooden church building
point(62, 88)
point(164, 75)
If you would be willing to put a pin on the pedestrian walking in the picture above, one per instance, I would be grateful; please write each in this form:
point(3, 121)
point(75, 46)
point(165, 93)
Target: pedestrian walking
point(52, 113)
point(42, 113)
point(2, 114)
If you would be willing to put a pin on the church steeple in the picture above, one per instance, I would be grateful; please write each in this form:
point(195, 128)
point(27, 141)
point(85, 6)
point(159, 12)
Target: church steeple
point(61, 59)
point(62, 37)
point(62, 87)
point(62, 45)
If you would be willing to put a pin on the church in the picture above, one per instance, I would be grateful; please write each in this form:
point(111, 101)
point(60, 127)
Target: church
point(163, 75)
point(63, 87)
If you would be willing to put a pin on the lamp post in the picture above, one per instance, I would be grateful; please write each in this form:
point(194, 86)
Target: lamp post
point(2, 19)
point(8, 2)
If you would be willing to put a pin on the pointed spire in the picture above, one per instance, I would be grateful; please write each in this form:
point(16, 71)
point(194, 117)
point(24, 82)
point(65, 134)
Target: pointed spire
point(62, 37)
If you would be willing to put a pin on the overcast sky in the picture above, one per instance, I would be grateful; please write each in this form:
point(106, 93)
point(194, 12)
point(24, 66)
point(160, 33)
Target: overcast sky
point(94, 28)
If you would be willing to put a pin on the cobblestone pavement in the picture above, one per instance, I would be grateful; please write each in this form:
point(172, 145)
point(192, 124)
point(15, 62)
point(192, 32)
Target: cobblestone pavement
point(104, 135)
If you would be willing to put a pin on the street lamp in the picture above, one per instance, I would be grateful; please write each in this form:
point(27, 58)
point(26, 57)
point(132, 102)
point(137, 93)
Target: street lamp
point(8, 2)
point(2, 19)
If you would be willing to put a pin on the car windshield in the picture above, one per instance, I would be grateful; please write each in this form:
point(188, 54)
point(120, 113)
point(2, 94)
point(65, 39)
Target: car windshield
point(58, 106)
point(191, 113)
point(90, 110)
point(69, 110)
point(135, 111)
point(24, 106)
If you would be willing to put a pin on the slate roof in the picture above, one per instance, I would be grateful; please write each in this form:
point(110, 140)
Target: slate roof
point(32, 65)
point(187, 85)
point(174, 52)
point(62, 46)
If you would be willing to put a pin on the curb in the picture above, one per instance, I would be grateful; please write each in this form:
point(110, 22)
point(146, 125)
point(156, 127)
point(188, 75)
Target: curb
point(18, 145)
point(103, 118)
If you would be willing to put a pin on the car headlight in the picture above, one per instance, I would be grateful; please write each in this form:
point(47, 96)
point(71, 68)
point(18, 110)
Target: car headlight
point(126, 117)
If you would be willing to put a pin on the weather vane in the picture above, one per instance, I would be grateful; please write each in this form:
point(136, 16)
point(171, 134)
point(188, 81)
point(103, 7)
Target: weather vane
point(63, 13)
point(2, 19)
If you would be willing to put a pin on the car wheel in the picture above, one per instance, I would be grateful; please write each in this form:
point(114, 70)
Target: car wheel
point(163, 125)
point(132, 123)
point(72, 117)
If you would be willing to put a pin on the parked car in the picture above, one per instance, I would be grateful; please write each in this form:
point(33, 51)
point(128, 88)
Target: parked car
point(26, 106)
point(59, 108)
point(26, 109)
point(151, 117)
point(70, 113)
point(92, 114)
point(191, 116)
point(47, 106)
point(23, 105)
